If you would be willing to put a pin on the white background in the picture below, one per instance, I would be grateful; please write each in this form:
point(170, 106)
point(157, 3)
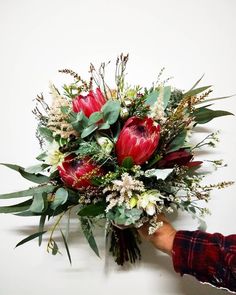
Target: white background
point(39, 37)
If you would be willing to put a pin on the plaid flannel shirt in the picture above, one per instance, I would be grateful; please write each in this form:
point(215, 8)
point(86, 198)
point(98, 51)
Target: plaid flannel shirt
point(210, 258)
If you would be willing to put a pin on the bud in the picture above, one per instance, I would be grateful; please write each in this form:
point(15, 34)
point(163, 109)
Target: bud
point(105, 143)
point(124, 113)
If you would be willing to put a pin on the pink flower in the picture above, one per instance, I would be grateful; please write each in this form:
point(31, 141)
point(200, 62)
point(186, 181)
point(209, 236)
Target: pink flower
point(78, 173)
point(90, 103)
point(138, 139)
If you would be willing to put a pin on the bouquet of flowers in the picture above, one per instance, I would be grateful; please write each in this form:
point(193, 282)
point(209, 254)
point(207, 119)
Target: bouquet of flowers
point(123, 155)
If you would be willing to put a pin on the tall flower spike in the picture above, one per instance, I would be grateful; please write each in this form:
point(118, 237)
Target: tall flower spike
point(157, 109)
point(138, 139)
point(57, 121)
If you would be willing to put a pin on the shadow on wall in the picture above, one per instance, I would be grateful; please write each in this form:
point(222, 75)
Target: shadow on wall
point(152, 260)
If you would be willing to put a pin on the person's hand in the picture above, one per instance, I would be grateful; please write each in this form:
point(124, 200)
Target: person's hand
point(163, 238)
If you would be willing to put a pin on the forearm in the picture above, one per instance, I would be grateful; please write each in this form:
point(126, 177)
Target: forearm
point(209, 257)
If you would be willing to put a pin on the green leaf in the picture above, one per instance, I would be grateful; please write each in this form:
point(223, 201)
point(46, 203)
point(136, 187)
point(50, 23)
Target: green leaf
point(152, 98)
point(158, 173)
point(89, 130)
point(195, 85)
point(79, 121)
point(61, 197)
point(93, 210)
point(29, 192)
point(204, 115)
point(41, 157)
point(178, 142)
point(163, 93)
point(111, 111)
point(104, 126)
point(196, 91)
point(41, 226)
point(16, 208)
point(128, 163)
point(95, 117)
point(39, 203)
point(66, 246)
point(216, 98)
point(65, 110)
point(36, 168)
point(36, 178)
point(29, 238)
point(46, 133)
point(87, 231)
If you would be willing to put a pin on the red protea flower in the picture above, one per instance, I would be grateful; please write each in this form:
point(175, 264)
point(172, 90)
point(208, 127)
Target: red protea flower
point(180, 158)
point(78, 173)
point(138, 139)
point(90, 103)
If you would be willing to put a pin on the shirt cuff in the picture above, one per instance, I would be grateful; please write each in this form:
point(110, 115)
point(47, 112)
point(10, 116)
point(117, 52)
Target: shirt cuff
point(181, 252)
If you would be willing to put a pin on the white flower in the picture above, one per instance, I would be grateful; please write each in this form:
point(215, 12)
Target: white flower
point(122, 190)
point(54, 156)
point(147, 201)
point(157, 109)
point(127, 185)
point(105, 143)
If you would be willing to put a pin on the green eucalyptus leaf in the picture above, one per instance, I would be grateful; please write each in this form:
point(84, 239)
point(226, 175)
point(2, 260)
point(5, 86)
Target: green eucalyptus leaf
point(41, 157)
point(16, 208)
point(163, 93)
point(29, 238)
point(89, 130)
point(86, 226)
point(36, 178)
point(111, 111)
point(46, 133)
point(178, 142)
point(41, 226)
point(95, 117)
point(214, 99)
point(195, 85)
point(79, 121)
point(196, 91)
point(92, 210)
point(158, 173)
point(39, 203)
point(61, 197)
point(36, 168)
point(204, 115)
point(66, 246)
point(29, 192)
point(151, 98)
point(104, 126)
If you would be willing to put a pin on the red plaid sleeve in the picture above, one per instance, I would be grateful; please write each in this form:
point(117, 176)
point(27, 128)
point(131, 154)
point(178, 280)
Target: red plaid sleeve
point(210, 258)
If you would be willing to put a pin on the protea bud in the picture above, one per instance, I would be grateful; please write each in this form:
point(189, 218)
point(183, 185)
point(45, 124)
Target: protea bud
point(180, 158)
point(90, 103)
point(138, 139)
point(78, 173)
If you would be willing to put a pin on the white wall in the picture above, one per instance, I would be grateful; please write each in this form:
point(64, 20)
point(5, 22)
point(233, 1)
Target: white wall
point(39, 37)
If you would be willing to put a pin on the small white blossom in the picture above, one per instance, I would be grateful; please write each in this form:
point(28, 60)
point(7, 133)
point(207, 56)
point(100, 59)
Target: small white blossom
point(122, 190)
point(105, 143)
point(157, 109)
point(147, 201)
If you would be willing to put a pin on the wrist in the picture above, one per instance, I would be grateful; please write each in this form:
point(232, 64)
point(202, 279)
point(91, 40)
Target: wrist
point(164, 241)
